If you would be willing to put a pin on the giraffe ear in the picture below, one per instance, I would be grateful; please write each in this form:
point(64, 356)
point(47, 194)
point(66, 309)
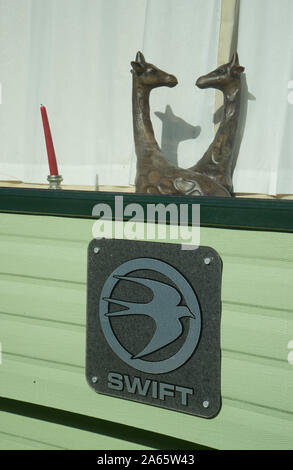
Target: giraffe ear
point(235, 67)
point(140, 58)
point(237, 71)
point(137, 67)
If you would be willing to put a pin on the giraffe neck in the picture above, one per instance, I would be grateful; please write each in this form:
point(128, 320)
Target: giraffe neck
point(144, 137)
point(217, 162)
point(231, 113)
point(221, 149)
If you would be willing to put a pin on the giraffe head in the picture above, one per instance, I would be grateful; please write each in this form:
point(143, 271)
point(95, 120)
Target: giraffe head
point(149, 75)
point(223, 76)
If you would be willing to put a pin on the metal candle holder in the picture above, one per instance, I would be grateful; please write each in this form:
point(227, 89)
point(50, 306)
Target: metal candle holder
point(55, 181)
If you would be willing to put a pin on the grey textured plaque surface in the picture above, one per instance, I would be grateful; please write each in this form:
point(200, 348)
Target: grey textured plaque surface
point(153, 324)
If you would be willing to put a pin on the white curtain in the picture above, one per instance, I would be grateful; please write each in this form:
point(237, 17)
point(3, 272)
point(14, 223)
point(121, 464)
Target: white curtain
point(265, 46)
point(74, 57)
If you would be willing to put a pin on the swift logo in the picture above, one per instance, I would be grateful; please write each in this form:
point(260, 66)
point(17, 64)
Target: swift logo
point(165, 308)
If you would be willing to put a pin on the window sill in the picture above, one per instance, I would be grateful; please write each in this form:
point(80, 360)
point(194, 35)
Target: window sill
point(235, 213)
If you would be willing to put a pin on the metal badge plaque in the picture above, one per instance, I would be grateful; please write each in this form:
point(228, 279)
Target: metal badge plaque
point(153, 324)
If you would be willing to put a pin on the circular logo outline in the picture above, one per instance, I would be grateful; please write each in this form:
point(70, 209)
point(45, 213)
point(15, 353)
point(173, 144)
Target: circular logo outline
point(192, 339)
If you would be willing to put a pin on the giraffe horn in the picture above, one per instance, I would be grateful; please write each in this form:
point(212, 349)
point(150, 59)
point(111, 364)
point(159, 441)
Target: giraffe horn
point(235, 60)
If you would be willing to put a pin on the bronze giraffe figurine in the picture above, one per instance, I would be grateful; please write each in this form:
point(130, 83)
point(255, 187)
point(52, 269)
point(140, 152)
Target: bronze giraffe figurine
point(155, 175)
point(218, 161)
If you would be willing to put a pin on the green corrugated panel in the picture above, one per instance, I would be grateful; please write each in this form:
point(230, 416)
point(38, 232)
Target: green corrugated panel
point(21, 432)
point(42, 330)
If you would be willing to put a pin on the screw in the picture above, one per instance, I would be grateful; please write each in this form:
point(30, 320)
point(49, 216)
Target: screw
point(96, 249)
point(206, 404)
point(207, 260)
point(94, 379)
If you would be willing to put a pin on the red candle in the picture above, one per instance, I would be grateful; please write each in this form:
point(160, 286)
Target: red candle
point(49, 143)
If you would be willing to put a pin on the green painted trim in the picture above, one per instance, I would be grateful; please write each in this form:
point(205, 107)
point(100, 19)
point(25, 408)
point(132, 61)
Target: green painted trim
point(241, 213)
point(95, 425)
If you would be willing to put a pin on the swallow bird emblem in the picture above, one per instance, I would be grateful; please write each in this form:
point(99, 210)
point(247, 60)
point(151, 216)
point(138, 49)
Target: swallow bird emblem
point(163, 308)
